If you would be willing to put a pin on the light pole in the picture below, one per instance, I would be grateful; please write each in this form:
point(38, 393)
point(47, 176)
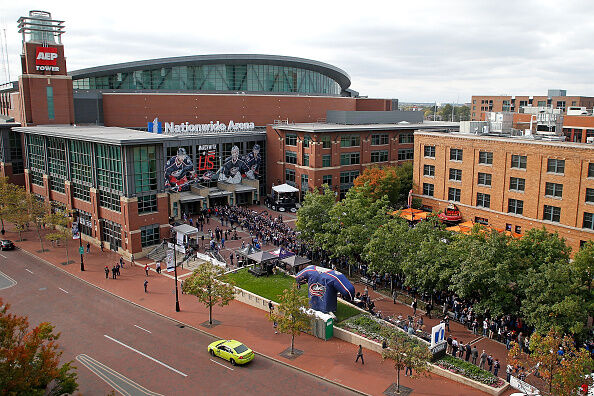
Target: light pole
point(80, 249)
point(172, 244)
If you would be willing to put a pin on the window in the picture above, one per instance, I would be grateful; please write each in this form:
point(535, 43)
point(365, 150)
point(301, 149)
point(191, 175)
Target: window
point(50, 103)
point(145, 168)
point(57, 184)
point(517, 183)
point(588, 220)
point(84, 220)
point(111, 232)
point(57, 163)
point(483, 200)
point(551, 213)
point(81, 191)
point(484, 179)
point(379, 139)
point(428, 189)
point(147, 203)
point(109, 168)
point(542, 103)
point(455, 174)
point(481, 220)
point(518, 161)
point(109, 200)
point(429, 170)
point(405, 138)
point(406, 154)
point(348, 177)
point(326, 160)
point(455, 154)
point(327, 179)
point(304, 182)
point(81, 166)
point(326, 143)
point(515, 206)
point(349, 141)
point(149, 235)
point(518, 229)
point(290, 177)
point(16, 152)
point(429, 151)
point(485, 158)
point(591, 169)
point(290, 157)
point(590, 195)
point(306, 140)
point(379, 156)
point(554, 190)
point(291, 139)
point(305, 159)
point(349, 158)
point(36, 161)
point(454, 194)
point(561, 105)
point(556, 165)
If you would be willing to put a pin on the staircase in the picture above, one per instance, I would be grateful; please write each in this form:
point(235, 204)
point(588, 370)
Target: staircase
point(159, 252)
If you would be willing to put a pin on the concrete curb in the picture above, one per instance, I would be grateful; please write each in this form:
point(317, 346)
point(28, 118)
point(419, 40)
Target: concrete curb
point(192, 327)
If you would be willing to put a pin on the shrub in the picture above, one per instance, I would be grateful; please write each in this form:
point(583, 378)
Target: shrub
point(469, 370)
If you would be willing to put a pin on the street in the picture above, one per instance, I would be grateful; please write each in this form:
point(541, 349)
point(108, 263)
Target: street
point(117, 345)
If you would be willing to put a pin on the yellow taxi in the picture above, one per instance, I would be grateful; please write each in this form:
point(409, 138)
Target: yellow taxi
point(233, 351)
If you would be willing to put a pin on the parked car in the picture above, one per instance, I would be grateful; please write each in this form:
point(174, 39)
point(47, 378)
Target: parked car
point(5, 244)
point(233, 351)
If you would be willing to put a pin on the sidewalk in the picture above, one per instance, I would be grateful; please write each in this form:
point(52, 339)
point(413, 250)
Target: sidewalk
point(333, 360)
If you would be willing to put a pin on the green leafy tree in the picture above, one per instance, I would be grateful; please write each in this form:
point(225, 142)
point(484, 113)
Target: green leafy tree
point(445, 112)
point(38, 212)
point(204, 283)
point(314, 213)
point(30, 358)
point(487, 270)
point(15, 209)
point(405, 351)
point(538, 246)
point(563, 373)
point(388, 246)
point(583, 264)
point(62, 232)
point(352, 223)
point(290, 316)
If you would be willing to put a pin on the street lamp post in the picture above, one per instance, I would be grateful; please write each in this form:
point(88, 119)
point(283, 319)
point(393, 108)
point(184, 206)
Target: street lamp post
point(175, 272)
point(80, 249)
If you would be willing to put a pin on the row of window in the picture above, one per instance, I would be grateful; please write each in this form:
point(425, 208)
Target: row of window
point(351, 158)
point(378, 139)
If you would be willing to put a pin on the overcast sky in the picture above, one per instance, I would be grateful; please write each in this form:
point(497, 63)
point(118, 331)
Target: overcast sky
point(416, 51)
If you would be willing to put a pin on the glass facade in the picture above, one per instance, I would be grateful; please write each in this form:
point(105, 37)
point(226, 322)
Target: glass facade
point(36, 158)
point(149, 235)
point(218, 77)
point(145, 168)
point(109, 176)
point(16, 152)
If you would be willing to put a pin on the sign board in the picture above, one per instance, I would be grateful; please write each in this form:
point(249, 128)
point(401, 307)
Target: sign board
point(46, 59)
point(169, 260)
point(81, 250)
point(75, 231)
point(438, 348)
point(437, 334)
point(185, 128)
point(522, 386)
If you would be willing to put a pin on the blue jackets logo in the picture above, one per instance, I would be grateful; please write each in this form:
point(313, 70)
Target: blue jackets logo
point(316, 289)
point(155, 126)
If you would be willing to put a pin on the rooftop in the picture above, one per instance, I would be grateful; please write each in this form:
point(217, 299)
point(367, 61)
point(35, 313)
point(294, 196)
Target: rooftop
point(326, 127)
point(116, 135)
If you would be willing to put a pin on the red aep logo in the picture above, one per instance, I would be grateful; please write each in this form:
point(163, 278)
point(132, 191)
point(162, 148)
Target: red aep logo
point(46, 56)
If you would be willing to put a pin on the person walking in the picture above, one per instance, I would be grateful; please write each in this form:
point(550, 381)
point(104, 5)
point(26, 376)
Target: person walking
point(274, 324)
point(270, 307)
point(413, 305)
point(446, 320)
point(117, 269)
point(454, 347)
point(483, 360)
point(132, 260)
point(106, 272)
point(496, 367)
point(474, 353)
point(394, 295)
point(508, 372)
point(490, 362)
point(449, 342)
point(145, 285)
point(468, 352)
point(113, 272)
point(102, 246)
point(360, 355)
point(158, 267)
point(181, 286)
point(146, 269)
point(231, 258)
point(408, 371)
point(88, 247)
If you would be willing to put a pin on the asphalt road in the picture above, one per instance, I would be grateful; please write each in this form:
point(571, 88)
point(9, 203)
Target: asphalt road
point(117, 345)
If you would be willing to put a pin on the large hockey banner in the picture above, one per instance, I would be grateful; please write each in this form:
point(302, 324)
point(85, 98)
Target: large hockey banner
point(324, 284)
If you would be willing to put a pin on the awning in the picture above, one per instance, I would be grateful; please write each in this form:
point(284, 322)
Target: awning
point(188, 196)
point(185, 229)
point(241, 188)
point(219, 193)
point(411, 214)
point(296, 261)
point(285, 188)
point(262, 257)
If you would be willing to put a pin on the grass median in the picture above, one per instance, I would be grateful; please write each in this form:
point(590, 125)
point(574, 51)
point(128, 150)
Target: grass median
point(270, 287)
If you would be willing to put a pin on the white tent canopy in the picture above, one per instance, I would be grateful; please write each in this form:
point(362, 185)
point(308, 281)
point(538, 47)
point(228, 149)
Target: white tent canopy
point(285, 188)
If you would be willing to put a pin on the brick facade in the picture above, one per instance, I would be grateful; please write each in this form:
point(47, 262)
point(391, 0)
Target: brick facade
point(482, 104)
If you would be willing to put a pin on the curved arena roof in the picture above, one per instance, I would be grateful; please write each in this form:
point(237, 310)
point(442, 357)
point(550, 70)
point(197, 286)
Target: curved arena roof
point(227, 72)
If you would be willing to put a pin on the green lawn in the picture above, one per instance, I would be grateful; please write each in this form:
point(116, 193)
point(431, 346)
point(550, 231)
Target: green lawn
point(272, 286)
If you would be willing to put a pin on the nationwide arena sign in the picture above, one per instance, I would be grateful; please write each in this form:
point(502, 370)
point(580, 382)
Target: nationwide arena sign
point(186, 128)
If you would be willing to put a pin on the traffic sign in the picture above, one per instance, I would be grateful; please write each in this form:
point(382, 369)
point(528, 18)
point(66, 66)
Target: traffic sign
point(81, 250)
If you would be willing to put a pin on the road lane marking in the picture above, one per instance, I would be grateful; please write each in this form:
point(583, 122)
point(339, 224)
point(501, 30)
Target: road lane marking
point(221, 364)
point(28, 270)
point(6, 281)
point(143, 329)
point(63, 290)
point(3, 256)
point(145, 355)
point(113, 378)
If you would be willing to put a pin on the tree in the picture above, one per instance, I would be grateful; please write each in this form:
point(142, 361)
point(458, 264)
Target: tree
point(30, 358)
point(38, 212)
point(583, 264)
point(290, 316)
point(205, 285)
point(393, 181)
point(562, 373)
point(405, 351)
point(487, 270)
point(15, 208)
point(313, 214)
point(62, 232)
point(388, 246)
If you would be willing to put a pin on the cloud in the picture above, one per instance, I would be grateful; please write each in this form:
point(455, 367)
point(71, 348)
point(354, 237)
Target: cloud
point(424, 51)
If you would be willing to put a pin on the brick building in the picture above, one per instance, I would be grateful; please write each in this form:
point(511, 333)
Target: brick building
point(309, 155)
point(482, 104)
point(509, 183)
